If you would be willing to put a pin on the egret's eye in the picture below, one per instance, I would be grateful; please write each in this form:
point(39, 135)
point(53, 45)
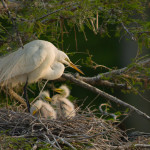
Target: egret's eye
point(66, 59)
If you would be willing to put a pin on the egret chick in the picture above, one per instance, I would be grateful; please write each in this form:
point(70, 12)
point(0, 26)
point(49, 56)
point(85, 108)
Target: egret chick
point(64, 107)
point(43, 109)
point(34, 61)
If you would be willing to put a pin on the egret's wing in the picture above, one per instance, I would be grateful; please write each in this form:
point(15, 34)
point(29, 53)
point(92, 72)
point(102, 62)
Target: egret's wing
point(21, 62)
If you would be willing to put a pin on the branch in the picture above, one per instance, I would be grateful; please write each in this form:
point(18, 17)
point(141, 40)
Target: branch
point(13, 22)
point(54, 12)
point(6, 7)
point(98, 81)
point(142, 145)
point(17, 97)
point(104, 95)
point(126, 29)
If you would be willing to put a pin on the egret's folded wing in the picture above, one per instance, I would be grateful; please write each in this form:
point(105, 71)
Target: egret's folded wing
point(21, 62)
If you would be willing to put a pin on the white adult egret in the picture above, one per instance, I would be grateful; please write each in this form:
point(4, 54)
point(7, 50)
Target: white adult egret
point(36, 60)
point(43, 109)
point(64, 107)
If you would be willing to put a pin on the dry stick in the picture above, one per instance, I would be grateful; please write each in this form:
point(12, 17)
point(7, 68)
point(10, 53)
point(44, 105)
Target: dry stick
point(6, 7)
point(17, 97)
point(40, 92)
point(49, 131)
point(119, 71)
point(48, 140)
point(131, 34)
point(105, 95)
point(54, 12)
point(66, 142)
point(98, 79)
point(142, 145)
point(13, 22)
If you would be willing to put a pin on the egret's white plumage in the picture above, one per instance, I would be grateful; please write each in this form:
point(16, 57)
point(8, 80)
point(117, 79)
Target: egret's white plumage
point(64, 107)
point(36, 60)
point(43, 109)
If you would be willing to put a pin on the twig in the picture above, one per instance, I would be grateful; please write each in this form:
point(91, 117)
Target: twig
point(13, 22)
point(6, 7)
point(74, 133)
point(104, 95)
point(17, 97)
point(40, 92)
point(142, 145)
point(51, 142)
point(131, 34)
point(48, 130)
point(98, 81)
point(67, 143)
point(54, 12)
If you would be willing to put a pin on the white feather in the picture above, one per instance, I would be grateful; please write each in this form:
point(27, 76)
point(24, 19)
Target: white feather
point(37, 60)
point(42, 108)
point(64, 107)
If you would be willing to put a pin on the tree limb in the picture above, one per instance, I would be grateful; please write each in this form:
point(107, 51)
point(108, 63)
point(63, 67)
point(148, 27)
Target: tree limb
point(55, 12)
point(104, 95)
point(98, 81)
point(17, 97)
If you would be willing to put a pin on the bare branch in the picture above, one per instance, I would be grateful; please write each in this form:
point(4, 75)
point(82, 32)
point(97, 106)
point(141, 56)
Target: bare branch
point(97, 81)
point(13, 22)
point(126, 29)
point(54, 12)
point(17, 97)
point(105, 95)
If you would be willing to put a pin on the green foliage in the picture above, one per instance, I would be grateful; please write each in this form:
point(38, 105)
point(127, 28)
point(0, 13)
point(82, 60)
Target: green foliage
point(53, 20)
point(31, 20)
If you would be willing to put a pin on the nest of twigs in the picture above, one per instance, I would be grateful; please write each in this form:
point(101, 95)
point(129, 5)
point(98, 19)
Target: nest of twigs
point(83, 131)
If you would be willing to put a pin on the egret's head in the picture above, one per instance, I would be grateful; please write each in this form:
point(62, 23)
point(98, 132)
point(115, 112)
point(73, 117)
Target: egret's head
point(65, 60)
point(45, 96)
point(63, 90)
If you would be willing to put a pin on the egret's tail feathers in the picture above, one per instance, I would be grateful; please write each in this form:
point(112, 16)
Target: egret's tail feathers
point(9, 67)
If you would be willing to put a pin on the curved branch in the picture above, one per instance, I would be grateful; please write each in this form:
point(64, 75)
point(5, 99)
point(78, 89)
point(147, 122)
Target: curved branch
point(98, 81)
point(104, 95)
point(17, 97)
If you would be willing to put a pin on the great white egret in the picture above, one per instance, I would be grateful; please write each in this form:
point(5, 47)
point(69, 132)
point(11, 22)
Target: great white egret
point(64, 107)
point(43, 109)
point(36, 60)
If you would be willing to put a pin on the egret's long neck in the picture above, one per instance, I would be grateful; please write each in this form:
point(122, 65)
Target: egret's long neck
point(55, 71)
point(58, 69)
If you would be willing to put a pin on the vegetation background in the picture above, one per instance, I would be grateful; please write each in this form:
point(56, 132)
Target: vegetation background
point(98, 35)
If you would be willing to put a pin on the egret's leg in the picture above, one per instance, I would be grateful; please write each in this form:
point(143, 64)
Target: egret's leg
point(25, 95)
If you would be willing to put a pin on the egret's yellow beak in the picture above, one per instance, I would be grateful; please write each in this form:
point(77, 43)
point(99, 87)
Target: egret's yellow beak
point(48, 99)
point(58, 90)
point(74, 67)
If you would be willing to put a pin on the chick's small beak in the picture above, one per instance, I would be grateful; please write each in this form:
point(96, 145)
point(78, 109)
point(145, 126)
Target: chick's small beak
point(58, 90)
point(48, 99)
point(34, 112)
point(74, 67)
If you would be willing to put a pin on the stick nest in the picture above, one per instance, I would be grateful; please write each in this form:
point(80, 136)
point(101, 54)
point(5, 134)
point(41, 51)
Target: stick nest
point(83, 131)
